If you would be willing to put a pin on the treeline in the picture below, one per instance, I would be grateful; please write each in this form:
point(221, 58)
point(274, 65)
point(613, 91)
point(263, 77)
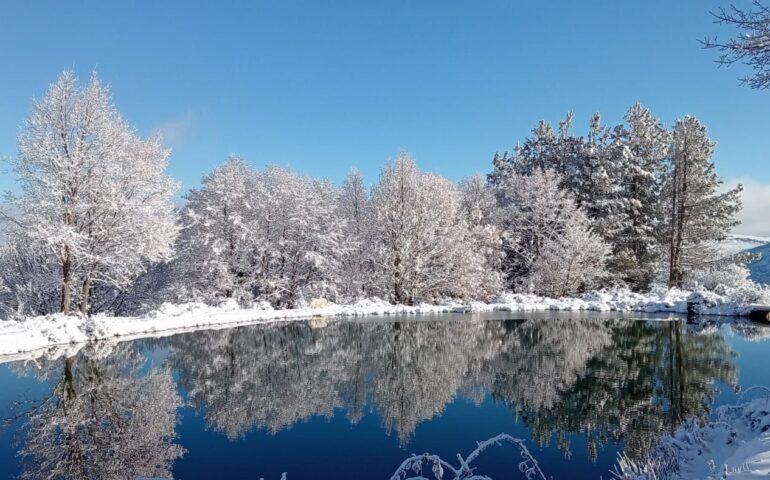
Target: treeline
point(630, 205)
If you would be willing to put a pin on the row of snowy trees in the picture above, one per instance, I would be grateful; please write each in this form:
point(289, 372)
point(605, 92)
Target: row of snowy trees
point(95, 223)
point(649, 193)
point(277, 236)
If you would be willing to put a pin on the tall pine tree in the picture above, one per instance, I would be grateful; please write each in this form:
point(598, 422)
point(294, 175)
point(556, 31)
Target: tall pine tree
point(696, 215)
point(645, 145)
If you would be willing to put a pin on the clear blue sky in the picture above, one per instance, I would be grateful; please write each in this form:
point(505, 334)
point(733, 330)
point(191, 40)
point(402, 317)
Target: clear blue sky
point(321, 86)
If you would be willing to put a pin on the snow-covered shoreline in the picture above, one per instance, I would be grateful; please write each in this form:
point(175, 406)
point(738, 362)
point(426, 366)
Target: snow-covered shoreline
point(733, 444)
point(37, 333)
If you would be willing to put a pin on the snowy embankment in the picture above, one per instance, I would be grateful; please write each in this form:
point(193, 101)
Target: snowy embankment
point(44, 331)
point(734, 444)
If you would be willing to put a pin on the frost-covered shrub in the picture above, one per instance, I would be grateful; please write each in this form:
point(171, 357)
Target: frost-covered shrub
point(730, 279)
point(418, 466)
point(550, 246)
point(30, 279)
point(570, 263)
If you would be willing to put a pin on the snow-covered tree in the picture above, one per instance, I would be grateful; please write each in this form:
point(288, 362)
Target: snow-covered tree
point(422, 247)
point(298, 246)
point(259, 235)
point(353, 212)
point(478, 202)
point(571, 262)
point(217, 241)
point(538, 222)
point(94, 196)
point(696, 215)
point(590, 168)
point(645, 144)
point(30, 278)
point(478, 206)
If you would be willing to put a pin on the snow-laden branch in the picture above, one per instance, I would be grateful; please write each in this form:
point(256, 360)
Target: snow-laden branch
point(417, 466)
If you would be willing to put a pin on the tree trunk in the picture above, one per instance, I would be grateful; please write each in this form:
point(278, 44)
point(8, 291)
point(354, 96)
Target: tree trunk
point(678, 274)
point(86, 295)
point(66, 285)
point(677, 221)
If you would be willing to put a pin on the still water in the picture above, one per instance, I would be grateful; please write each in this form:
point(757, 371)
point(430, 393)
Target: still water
point(344, 399)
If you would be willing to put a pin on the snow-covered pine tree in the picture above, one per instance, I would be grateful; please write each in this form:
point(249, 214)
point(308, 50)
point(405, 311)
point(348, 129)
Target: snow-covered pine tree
point(645, 147)
point(593, 171)
point(543, 150)
point(696, 215)
point(95, 196)
point(590, 168)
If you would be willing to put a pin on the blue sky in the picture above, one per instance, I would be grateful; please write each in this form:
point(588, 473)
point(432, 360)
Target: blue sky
point(321, 86)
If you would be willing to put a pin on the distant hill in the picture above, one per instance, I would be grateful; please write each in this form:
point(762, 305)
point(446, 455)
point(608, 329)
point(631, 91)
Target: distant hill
point(760, 269)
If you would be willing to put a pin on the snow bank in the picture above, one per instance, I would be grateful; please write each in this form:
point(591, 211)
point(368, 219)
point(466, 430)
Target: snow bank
point(661, 300)
point(734, 445)
point(45, 331)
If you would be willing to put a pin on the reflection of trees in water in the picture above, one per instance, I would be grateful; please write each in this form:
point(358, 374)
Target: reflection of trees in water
point(276, 375)
point(645, 382)
point(111, 416)
point(609, 379)
point(539, 360)
point(105, 419)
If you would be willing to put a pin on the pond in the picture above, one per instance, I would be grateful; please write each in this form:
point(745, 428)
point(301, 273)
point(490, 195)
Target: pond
point(344, 399)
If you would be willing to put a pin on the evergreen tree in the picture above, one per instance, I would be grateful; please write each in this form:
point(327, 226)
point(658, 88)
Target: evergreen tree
point(696, 215)
point(645, 147)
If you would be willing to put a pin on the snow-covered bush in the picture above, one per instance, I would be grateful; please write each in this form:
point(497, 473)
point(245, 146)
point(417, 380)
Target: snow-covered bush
point(730, 444)
point(570, 263)
point(417, 466)
point(549, 243)
point(729, 278)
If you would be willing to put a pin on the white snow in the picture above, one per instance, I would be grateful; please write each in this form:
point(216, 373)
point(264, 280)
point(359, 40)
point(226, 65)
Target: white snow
point(40, 332)
point(759, 269)
point(740, 243)
point(734, 444)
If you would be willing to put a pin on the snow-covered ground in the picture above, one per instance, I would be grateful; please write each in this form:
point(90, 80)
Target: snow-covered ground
point(759, 269)
point(734, 444)
point(740, 243)
point(41, 332)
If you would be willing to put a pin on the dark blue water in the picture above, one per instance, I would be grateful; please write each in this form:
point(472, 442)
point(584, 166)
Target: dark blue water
point(351, 400)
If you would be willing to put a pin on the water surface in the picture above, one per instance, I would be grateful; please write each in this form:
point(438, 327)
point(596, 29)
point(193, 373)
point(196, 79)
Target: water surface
point(351, 399)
